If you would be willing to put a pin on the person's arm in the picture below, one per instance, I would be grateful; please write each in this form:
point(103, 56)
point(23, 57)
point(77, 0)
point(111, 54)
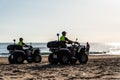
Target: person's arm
point(69, 41)
point(25, 45)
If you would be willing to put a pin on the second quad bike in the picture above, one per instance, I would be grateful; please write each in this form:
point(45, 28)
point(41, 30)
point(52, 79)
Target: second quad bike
point(65, 55)
point(18, 54)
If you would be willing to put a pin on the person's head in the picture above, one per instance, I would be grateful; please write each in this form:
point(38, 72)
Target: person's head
point(20, 39)
point(87, 43)
point(64, 33)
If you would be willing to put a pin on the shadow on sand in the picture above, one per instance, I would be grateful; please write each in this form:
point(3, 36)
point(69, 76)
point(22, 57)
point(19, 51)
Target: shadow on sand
point(49, 66)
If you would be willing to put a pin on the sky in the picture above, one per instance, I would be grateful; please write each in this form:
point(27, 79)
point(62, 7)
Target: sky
point(41, 20)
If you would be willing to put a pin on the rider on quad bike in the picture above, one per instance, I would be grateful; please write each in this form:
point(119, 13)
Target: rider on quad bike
point(21, 43)
point(63, 54)
point(18, 54)
point(64, 40)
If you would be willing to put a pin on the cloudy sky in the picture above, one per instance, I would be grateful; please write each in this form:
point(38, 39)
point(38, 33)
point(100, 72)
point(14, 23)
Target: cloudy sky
point(40, 20)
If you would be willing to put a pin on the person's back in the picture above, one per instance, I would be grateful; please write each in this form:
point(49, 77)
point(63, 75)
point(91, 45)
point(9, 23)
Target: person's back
point(20, 43)
point(63, 40)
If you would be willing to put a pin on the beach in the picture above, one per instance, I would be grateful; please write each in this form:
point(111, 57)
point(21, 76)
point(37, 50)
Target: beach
point(99, 67)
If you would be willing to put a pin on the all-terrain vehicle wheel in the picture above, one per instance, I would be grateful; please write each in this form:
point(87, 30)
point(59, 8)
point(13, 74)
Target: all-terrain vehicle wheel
point(29, 59)
point(19, 57)
point(11, 60)
point(52, 58)
point(64, 57)
point(73, 61)
point(83, 58)
point(37, 58)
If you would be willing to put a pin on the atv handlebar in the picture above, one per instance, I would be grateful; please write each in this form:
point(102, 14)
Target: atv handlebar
point(75, 43)
point(30, 47)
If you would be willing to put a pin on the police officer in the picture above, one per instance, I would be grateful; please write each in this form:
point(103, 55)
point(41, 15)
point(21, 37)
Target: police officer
point(21, 43)
point(64, 39)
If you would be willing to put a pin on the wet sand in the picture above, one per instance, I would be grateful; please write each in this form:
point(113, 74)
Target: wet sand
point(99, 67)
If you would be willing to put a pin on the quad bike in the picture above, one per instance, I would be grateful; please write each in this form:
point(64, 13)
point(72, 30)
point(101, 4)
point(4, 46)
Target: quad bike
point(18, 54)
point(65, 55)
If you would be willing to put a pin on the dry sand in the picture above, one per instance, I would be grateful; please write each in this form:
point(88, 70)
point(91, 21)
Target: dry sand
point(99, 67)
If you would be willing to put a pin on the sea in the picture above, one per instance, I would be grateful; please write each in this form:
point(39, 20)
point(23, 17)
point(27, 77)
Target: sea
point(95, 48)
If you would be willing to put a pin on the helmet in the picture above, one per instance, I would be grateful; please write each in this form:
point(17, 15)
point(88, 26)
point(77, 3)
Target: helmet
point(20, 39)
point(64, 33)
